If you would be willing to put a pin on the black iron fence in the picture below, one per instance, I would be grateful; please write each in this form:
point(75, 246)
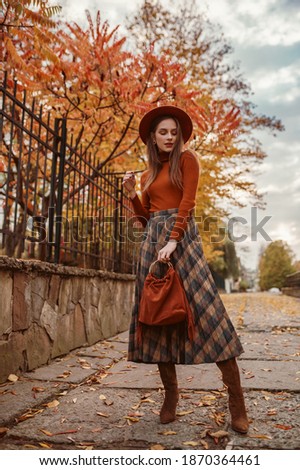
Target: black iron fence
point(55, 203)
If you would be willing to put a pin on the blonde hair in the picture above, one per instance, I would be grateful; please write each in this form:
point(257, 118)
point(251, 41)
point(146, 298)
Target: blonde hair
point(154, 163)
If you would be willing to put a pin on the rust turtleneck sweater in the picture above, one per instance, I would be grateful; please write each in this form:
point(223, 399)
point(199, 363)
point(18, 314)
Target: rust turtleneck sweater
point(163, 194)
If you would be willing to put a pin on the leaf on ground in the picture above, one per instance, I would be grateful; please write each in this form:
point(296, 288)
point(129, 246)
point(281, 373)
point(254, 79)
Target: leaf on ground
point(272, 412)
point(204, 444)
point(96, 430)
point(218, 434)
point(267, 370)
point(38, 389)
point(29, 414)
point(104, 415)
point(12, 378)
point(135, 407)
point(157, 447)
point(102, 397)
point(132, 419)
point(62, 394)
point(260, 436)
point(136, 414)
point(147, 400)
point(45, 445)
point(52, 404)
point(167, 433)
point(3, 431)
point(284, 427)
point(48, 433)
point(108, 402)
point(197, 423)
point(64, 375)
point(191, 443)
point(184, 413)
point(219, 418)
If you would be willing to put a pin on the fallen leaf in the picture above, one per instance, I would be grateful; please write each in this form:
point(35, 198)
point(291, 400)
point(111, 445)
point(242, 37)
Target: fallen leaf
point(272, 412)
point(260, 436)
point(157, 447)
point(108, 402)
point(184, 413)
point(267, 370)
point(132, 418)
point(52, 404)
point(204, 443)
point(147, 400)
point(45, 445)
point(12, 378)
point(38, 389)
point(48, 433)
point(191, 443)
point(167, 433)
point(102, 397)
point(102, 414)
point(64, 375)
point(29, 414)
point(218, 434)
point(3, 431)
point(283, 426)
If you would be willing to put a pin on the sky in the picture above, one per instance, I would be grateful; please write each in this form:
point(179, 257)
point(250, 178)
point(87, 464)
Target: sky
point(265, 36)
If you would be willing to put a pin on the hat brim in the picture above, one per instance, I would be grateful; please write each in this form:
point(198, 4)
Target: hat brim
point(183, 118)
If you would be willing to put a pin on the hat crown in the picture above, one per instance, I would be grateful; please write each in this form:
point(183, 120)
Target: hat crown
point(169, 111)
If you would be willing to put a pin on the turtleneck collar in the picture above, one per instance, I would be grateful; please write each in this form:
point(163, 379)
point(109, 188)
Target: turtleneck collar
point(164, 156)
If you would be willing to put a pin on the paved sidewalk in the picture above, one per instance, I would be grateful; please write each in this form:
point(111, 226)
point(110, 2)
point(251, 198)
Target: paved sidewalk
point(94, 399)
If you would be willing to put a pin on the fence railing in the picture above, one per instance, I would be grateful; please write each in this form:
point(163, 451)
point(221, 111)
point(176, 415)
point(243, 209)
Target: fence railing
point(55, 204)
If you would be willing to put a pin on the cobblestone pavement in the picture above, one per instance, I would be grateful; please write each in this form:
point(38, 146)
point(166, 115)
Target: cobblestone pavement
point(94, 399)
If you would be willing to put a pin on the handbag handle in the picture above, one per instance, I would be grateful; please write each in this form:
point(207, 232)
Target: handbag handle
point(159, 261)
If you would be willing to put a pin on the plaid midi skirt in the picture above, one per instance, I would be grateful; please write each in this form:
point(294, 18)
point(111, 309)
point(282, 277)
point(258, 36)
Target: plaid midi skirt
point(215, 338)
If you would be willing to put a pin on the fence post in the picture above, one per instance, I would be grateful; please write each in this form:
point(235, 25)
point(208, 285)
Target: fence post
point(60, 189)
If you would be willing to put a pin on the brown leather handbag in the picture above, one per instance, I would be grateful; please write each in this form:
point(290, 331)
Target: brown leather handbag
point(163, 300)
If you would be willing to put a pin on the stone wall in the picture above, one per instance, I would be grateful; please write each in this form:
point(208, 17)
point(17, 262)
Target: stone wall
point(47, 310)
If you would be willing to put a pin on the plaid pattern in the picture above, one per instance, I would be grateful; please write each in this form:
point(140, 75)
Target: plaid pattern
point(215, 338)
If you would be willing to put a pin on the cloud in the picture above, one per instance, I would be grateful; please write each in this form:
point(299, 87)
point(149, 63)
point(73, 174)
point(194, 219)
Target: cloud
point(257, 22)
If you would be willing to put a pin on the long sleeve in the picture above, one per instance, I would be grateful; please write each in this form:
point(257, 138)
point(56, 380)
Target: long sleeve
point(190, 179)
point(141, 208)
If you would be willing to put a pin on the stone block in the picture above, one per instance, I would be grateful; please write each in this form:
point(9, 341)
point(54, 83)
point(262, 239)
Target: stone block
point(54, 288)
point(48, 320)
point(21, 301)
point(39, 288)
point(6, 284)
point(64, 296)
point(70, 333)
point(38, 346)
point(12, 358)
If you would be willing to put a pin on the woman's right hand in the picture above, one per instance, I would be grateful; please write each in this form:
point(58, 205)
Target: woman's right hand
point(129, 183)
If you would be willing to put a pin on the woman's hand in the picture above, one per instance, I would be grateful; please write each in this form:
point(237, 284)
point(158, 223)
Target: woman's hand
point(129, 183)
point(165, 253)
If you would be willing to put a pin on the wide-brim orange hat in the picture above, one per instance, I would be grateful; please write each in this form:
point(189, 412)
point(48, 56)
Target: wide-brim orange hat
point(183, 118)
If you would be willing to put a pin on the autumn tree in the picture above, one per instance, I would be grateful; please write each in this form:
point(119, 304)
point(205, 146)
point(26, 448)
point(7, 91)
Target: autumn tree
point(226, 121)
point(275, 264)
point(27, 31)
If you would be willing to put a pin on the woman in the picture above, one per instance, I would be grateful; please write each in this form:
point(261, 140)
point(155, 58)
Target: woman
point(169, 189)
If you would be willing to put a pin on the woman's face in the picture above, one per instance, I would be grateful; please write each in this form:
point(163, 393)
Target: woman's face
point(165, 135)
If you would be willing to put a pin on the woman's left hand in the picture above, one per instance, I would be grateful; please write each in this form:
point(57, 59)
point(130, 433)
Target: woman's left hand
point(165, 253)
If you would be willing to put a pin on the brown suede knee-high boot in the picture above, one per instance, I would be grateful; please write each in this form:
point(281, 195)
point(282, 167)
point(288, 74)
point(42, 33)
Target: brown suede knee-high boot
point(231, 378)
point(168, 377)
